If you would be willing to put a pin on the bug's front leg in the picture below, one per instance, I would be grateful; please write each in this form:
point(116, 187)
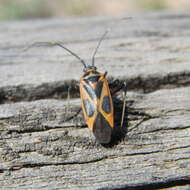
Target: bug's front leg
point(71, 110)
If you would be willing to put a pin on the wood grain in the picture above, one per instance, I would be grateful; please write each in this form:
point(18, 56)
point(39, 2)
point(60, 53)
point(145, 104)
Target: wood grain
point(44, 142)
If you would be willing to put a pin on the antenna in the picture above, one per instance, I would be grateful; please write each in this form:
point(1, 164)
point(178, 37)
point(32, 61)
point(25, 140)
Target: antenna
point(60, 45)
point(72, 53)
point(103, 36)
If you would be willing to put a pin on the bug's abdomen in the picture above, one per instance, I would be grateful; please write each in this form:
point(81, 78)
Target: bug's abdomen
point(101, 129)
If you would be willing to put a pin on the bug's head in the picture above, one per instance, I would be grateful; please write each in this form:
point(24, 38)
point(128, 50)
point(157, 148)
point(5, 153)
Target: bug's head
point(89, 68)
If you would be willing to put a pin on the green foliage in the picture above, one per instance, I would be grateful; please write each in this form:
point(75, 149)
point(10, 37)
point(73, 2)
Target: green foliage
point(153, 4)
point(10, 9)
point(77, 7)
point(22, 9)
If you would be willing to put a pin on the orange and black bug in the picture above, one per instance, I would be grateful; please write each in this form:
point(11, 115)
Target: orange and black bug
point(96, 98)
point(97, 104)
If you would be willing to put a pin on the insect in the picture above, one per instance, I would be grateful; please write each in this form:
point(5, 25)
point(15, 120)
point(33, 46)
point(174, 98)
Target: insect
point(96, 100)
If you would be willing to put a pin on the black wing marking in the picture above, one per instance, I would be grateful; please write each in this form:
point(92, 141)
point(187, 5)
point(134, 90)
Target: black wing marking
point(89, 107)
point(106, 104)
point(98, 89)
point(94, 93)
point(90, 91)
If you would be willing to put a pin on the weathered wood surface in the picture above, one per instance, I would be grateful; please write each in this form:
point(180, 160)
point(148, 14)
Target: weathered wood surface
point(44, 143)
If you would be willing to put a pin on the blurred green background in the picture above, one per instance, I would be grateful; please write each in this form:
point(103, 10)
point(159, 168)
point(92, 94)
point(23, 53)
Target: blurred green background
point(25, 9)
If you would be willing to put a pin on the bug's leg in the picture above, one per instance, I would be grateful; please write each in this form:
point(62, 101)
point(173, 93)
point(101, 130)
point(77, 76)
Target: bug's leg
point(116, 86)
point(124, 104)
point(71, 112)
point(68, 99)
point(71, 93)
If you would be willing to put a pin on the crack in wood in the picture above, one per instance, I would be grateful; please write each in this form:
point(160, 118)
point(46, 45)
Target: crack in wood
point(18, 166)
point(179, 147)
point(163, 129)
point(160, 184)
point(59, 90)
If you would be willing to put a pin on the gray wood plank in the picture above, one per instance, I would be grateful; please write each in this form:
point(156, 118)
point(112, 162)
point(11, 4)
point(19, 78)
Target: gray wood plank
point(44, 142)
